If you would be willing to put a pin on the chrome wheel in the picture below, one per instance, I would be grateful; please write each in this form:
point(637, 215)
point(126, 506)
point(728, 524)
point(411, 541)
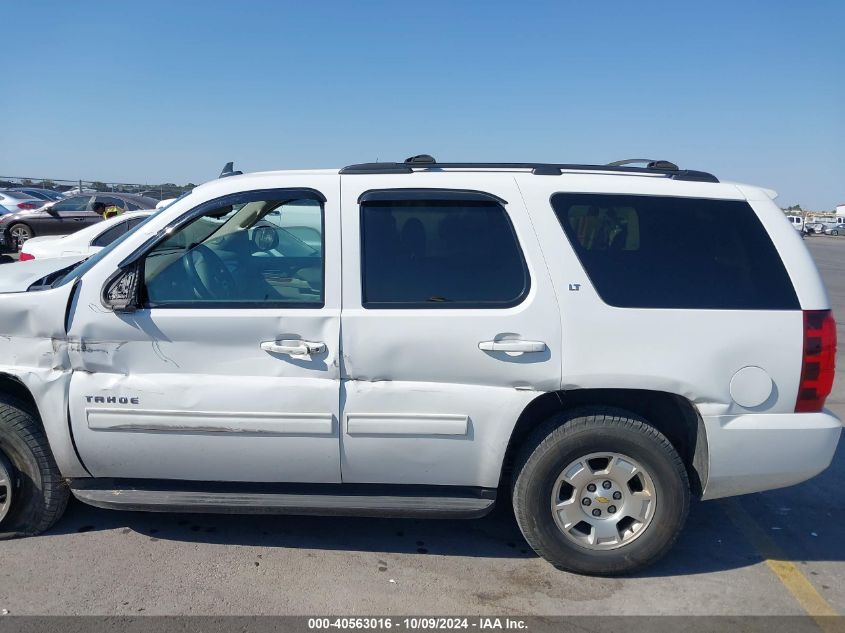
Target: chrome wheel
point(6, 484)
point(603, 501)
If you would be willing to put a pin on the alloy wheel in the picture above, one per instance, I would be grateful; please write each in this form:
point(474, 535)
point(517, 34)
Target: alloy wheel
point(20, 234)
point(602, 501)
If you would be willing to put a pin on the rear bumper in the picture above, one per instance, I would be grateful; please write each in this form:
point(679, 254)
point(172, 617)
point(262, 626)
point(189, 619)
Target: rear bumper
point(756, 452)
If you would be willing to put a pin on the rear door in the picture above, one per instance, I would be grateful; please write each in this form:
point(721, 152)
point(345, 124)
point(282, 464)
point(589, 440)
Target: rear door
point(450, 327)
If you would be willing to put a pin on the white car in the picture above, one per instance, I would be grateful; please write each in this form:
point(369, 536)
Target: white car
point(78, 191)
point(84, 242)
point(462, 329)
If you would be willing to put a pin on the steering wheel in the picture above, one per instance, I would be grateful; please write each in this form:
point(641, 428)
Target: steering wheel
point(203, 266)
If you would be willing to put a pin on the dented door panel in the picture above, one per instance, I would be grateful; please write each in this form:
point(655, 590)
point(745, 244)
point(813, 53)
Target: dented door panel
point(427, 433)
point(424, 401)
point(190, 393)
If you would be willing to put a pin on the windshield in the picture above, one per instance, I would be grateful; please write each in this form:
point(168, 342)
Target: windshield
point(86, 264)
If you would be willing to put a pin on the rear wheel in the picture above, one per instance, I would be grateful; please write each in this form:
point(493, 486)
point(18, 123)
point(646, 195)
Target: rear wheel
point(18, 234)
point(33, 495)
point(600, 492)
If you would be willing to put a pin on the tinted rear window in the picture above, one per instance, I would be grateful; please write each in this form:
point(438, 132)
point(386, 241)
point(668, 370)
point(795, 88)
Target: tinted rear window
point(665, 252)
point(440, 254)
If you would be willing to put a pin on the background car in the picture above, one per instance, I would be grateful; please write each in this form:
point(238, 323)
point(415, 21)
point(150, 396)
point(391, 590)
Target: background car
point(85, 242)
point(47, 195)
point(14, 201)
point(796, 221)
point(74, 191)
point(64, 216)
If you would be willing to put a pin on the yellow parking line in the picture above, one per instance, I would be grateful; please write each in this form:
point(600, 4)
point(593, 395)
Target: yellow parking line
point(796, 583)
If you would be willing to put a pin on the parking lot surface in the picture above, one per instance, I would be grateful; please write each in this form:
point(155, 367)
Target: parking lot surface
point(780, 552)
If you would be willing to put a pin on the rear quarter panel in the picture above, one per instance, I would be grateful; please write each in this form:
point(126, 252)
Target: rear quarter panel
point(692, 353)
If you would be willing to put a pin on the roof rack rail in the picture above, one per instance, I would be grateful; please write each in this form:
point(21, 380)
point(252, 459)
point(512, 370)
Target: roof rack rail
point(427, 162)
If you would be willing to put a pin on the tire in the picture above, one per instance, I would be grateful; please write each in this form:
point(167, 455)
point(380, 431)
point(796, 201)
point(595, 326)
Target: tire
point(834, 232)
point(35, 495)
point(661, 485)
point(18, 234)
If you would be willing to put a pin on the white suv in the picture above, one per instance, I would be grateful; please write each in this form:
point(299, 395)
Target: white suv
point(601, 343)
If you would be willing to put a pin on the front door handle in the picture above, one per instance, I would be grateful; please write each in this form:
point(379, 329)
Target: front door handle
point(294, 347)
point(512, 346)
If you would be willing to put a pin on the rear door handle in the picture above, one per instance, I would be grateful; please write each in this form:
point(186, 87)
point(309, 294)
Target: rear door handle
point(512, 346)
point(294, 348)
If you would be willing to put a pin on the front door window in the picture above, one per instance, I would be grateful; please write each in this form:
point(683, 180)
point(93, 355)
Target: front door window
point(241, 254)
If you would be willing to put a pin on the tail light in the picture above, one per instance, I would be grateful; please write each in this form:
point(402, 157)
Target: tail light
point(819, 362)
point(25, 257)
point(27, 205)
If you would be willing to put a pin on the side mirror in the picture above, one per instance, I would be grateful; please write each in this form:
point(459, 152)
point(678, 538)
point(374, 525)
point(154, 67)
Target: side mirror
point(120, 292)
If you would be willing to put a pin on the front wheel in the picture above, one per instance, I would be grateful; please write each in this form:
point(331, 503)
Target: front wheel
point(600, 492)
point(32, 493)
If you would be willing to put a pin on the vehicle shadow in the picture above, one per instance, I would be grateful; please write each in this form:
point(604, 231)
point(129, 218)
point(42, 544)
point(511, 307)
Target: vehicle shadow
point(803, 521)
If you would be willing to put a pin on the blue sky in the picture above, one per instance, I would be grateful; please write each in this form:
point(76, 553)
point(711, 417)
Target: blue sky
point(169, 91)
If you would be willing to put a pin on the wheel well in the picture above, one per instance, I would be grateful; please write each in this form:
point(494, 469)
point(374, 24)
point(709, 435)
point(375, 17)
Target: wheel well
point(672, 415)
point(12, 386)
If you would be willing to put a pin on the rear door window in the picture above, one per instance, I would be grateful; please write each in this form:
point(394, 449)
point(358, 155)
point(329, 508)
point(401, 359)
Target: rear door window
point(110, 235)
point(440, 254)
point(668, 252)
point(110, 201)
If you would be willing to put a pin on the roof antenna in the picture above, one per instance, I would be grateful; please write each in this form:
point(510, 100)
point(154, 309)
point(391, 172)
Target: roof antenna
point(229, 170)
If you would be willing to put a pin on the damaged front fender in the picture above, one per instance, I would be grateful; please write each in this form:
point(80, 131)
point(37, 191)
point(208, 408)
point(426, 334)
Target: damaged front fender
point(35, 351)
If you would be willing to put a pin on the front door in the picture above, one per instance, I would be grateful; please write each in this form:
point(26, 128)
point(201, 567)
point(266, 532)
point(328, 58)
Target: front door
point(450, 327)
point(230, 370)
point(64, 217)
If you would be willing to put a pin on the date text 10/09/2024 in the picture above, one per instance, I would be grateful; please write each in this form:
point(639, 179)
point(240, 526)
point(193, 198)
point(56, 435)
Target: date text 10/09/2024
point(424, 623)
